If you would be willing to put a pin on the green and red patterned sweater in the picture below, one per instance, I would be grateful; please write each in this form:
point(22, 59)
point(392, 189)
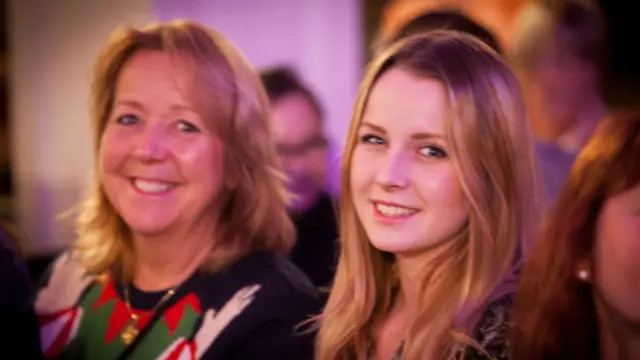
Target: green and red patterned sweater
point(248, 311)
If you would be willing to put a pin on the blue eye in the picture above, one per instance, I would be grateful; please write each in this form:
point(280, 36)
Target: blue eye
point(371, 139)
point(433, 151)
point(127, 120)
point(187, 127)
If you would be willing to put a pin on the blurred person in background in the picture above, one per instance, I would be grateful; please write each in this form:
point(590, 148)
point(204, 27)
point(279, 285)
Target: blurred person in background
point(446, 19)
point(181, 241)
point(559, 51)
point(297, 128)
point(18, 322)
point(579, 291)
point(496, 15)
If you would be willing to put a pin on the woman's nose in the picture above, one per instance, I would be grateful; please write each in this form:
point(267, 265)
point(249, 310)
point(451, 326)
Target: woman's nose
point(151, 144)
point(393, 172)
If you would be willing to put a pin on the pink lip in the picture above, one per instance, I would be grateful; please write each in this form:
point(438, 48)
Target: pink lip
point(387, 203)
point(150, 179)
point(388, 220)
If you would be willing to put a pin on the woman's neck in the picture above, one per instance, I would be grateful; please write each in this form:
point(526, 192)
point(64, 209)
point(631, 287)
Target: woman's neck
point(413, 271)
point(587, 119)
point(619, 339)
point(619, 345)
point(164, 262)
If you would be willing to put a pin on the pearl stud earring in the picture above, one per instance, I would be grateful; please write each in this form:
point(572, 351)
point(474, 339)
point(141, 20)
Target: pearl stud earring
point(583, 275)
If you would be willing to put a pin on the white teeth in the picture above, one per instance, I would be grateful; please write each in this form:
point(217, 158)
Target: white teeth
point(392, 211)
point(151, 186)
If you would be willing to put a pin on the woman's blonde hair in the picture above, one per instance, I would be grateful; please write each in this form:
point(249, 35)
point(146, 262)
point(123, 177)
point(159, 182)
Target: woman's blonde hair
point(491, 149)
point(229, 95)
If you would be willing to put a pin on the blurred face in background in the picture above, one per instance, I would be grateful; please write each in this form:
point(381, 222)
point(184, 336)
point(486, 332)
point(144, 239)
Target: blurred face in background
point(302, 148)
point(564, 82)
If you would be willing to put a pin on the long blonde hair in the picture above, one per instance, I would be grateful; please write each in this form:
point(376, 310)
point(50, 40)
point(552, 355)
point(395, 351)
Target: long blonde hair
point(231, 98)
point(492, 152)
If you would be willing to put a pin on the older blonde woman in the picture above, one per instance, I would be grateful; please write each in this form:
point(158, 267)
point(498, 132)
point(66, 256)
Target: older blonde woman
point(439, 200)
point(178, 242)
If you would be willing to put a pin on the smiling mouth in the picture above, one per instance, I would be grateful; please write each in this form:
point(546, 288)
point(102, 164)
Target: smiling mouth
point(151, 186)
point(394, 211)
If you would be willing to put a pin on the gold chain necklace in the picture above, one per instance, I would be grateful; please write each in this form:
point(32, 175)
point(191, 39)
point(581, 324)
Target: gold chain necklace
point(131, 330)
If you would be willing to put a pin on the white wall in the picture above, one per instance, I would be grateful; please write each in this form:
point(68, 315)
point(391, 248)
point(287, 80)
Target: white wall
point(52, 47)
point(54, 43)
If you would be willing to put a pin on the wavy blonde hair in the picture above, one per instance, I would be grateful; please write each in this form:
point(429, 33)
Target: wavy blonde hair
point(229, 95)
point(491, 149)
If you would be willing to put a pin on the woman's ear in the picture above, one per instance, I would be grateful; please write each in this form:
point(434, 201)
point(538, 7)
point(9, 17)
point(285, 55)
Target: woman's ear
point(231, 173)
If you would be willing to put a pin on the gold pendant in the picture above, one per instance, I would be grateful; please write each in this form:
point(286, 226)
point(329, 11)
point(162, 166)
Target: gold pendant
point(130, 331)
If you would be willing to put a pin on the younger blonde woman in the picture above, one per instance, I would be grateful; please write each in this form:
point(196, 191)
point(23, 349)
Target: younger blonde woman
point(438, 204)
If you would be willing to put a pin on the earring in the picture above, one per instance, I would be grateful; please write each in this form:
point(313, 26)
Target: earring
point(583, 275)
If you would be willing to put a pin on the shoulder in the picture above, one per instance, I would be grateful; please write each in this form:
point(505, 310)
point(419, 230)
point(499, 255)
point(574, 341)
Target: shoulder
point(14, 276)
point(62, 285)
point(282, 289)
point(275, 273)
point(65, 267)
point(9, 251)
point(492, 330)
point(20, 324)
point(277, 298)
